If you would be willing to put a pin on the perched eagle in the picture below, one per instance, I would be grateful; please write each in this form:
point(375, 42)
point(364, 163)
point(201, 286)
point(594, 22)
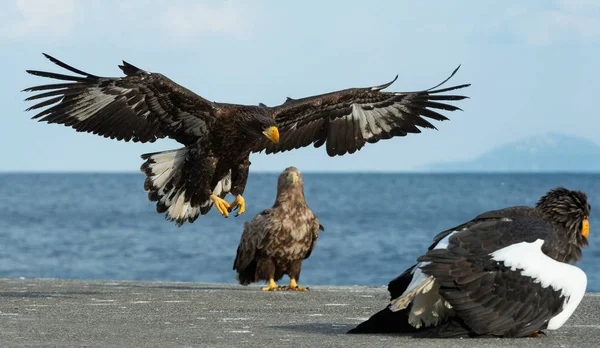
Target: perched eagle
point(506, 273)
point(276, 241)
point(217, 137)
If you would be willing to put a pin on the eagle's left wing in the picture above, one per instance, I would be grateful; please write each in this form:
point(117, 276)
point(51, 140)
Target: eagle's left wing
point(316, 227)
point(252, 238)
point(348, 119)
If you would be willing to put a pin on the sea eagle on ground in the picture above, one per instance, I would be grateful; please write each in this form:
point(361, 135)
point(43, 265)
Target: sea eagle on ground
point(278, 239)
point(218, 137)
point(506, 273)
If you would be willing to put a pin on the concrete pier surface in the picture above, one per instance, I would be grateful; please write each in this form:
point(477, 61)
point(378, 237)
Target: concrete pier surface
point(75, 313)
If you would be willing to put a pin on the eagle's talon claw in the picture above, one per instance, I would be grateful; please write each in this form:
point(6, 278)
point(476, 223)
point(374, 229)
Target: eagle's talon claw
point(272, 286)
point(293, 286)
point(238, 204)
point(221, 205)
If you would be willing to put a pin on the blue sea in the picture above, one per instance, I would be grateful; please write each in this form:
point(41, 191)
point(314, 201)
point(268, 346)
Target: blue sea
point(102, 226)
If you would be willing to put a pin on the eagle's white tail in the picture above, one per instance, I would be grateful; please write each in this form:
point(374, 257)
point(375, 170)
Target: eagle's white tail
point(428, 307)
point(166, 185)
point(420, 284)
point(171, 183)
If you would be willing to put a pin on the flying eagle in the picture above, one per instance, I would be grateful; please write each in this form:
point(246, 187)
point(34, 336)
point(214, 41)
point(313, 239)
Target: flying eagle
point(506, 273)
point(217, 137)
point(277, 240)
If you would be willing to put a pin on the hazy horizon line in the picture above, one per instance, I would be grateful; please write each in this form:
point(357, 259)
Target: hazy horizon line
point(419, 172)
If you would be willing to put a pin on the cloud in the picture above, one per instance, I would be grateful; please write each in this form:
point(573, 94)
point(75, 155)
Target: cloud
point(183, 19)
point(40, 18)
point(193, 19)
point(579, 4)
point(566, 22)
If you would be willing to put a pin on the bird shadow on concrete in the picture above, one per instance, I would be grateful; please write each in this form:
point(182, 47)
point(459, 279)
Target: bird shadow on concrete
point(319, 328)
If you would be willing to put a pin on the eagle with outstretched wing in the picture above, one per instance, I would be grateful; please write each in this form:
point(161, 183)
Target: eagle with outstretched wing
point(218, 137)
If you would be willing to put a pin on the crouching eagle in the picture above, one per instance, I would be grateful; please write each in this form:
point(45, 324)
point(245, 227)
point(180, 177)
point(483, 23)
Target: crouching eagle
point(506, 273)
point(217, 137)
point(276, 241)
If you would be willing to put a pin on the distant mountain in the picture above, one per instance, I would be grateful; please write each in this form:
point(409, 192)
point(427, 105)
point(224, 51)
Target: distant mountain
point(543, 153)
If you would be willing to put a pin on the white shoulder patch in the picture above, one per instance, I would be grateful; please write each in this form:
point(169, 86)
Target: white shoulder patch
point(529, 258)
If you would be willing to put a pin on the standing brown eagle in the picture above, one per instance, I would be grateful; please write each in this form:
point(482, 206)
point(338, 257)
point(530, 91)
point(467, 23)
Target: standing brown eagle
point(217, 137)
point(276, 241)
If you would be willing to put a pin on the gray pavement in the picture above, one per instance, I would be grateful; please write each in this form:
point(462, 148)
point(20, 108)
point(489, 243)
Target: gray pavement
point(69, 313)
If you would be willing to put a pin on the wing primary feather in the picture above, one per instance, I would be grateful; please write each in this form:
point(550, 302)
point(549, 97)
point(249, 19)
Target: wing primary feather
point(431, 114)
point(442, 106)
point(349, 143)
point(44, 103)
point(57, 76)
point(130, 69)
point(50, 86)
point(385, 85)
point(429, 96)
point(64, 92)
point(449, 89)
point(446, 80)
point(68, 67)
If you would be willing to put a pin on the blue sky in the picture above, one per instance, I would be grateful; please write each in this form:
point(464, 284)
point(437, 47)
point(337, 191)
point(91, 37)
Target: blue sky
point(533, 66)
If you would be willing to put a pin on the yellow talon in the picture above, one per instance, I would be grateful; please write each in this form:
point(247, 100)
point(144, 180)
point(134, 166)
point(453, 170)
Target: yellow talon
point(294, 286)
point(240, 203)
point(221, 205)
point(271, 287)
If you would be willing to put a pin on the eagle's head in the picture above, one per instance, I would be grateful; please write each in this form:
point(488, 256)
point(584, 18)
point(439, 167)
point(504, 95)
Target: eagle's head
point(290, 177)
point(290, 187)
point(568, 211)
point(259, 123)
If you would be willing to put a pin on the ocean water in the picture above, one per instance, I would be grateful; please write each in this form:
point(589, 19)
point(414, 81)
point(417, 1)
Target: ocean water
point(102, 226)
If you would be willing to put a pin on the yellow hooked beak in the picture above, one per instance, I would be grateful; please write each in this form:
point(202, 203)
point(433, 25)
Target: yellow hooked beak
point(272, 133)
point(585, 228)
point(293, 177)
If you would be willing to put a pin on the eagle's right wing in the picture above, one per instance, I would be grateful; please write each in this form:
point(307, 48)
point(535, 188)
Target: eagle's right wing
point(141, 106)
point(316, 227)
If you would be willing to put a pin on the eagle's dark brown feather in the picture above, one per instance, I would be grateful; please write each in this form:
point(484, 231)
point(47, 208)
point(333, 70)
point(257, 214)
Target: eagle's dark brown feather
point(346, 120)
point(140, 107)
point(276, 241)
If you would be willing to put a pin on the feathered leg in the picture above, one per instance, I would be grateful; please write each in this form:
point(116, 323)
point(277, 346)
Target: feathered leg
point(266, 270)
point(294, 274)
